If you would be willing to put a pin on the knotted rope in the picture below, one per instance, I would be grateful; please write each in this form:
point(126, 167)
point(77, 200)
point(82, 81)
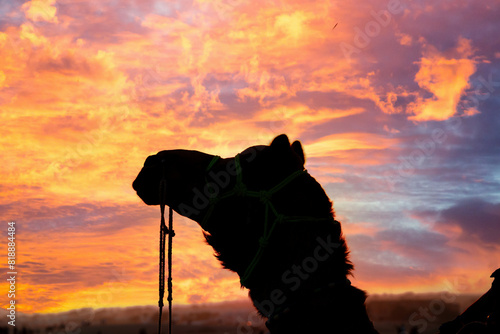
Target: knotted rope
point(163, 232)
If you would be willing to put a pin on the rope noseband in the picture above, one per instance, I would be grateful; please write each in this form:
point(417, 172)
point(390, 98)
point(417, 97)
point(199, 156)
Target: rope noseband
point(265, 197)
point(164, 230)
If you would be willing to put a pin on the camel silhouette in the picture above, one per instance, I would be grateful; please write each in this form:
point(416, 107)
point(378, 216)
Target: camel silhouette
point(272, 223)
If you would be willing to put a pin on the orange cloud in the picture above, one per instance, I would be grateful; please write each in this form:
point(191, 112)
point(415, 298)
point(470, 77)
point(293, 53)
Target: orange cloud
point(40, 10)
point(296, 118)
point(446, 77)
point(351, 229)
point(405, 39)
point(337, 143)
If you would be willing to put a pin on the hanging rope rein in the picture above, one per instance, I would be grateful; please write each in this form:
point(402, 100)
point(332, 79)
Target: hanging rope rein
point(164, 230)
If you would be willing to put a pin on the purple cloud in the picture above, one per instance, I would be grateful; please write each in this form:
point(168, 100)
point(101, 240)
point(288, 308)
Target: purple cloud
point(476, 217)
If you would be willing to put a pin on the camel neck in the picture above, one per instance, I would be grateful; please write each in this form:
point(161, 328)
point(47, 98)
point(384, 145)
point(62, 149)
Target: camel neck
point(342, 307)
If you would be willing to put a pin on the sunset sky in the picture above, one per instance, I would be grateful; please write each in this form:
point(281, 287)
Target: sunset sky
point(397, 108)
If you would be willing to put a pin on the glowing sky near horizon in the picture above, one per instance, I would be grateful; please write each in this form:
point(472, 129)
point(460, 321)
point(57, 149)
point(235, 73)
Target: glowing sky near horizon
point(397, 108)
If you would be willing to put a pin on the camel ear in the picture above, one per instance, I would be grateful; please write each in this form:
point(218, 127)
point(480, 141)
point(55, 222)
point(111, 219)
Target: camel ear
point(281, 142)
point(297, 148)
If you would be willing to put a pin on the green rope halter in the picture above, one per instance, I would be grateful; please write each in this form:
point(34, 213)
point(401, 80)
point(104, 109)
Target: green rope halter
point(265, 197)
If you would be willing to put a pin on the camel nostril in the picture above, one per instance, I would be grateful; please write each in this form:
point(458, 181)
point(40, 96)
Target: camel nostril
point(140, 182)
point(136, 184)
